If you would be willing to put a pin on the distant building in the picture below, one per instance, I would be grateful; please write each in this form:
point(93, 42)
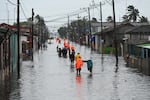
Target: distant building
point(138, 48)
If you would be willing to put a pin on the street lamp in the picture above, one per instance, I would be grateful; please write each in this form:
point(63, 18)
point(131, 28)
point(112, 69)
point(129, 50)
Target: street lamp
point(90, 26)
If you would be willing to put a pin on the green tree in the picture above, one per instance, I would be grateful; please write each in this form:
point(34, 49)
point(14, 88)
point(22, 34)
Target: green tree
point(133, 13)
point(125, 18)
point(94, 19)
point(40, 28)
point(62, 32)
point(109, 19)
point(77, 30)
point(143, 19)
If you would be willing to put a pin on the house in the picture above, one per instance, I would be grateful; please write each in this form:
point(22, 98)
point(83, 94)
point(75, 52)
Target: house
point(96, 33)
point(8, 46)
point(108, 30)
point(138, 46)
point(25, 38)
point(107, 36)
point(138, 34)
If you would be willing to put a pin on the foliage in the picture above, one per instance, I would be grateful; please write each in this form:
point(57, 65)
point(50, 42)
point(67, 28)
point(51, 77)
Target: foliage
point(62, 32)
point(109, 19)
point(75, 30)
point(108, 50)
point(133, 13)
point(40, 29)
point(94, 19)
point(143, 19)
point(125, 18)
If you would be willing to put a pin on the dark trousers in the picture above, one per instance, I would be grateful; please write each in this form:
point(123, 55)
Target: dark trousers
point(78, 71)
point(90, 69)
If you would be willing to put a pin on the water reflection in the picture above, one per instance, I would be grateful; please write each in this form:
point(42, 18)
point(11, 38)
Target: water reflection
point(8, 86)
point(51, 80)
point(79, 87)
point(90, 76)
point(89, 86)
point(72, 67)
point(102, 63)
point(4, 85)
point(115, 83)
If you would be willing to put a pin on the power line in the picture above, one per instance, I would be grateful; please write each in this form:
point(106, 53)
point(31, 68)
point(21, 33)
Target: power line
point(81, 10)
point(59, 18)
point(74, 13)
point(23, 12)
point(109, 2)
point(24, 6)
point(12, 3)
point(16, 5)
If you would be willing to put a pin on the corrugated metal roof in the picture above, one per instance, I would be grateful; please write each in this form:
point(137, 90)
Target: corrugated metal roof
point(143, 28)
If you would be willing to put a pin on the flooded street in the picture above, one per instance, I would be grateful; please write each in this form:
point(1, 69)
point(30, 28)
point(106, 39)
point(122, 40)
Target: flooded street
point(54, 78)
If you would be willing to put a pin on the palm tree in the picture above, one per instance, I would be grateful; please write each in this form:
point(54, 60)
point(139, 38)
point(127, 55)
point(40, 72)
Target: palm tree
point(109, 19)
point(132, 13)
point(143, 19)
point(94, 19)
point(125, 18)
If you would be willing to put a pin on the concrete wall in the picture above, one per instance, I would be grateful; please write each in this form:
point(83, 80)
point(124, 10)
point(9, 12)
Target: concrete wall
point(142, 64)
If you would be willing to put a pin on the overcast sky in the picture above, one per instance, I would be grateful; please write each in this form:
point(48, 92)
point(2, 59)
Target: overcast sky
point(51, 9)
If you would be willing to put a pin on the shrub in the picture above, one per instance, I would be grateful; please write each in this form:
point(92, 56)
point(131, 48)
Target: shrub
point(108, 50)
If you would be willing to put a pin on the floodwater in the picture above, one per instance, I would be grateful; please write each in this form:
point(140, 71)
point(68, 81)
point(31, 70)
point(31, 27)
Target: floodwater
point(54, 78)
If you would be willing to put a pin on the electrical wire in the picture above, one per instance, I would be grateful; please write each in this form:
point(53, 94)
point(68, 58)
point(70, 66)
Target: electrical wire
point(60, 17)
point(23, 12)
point(24, 6)
point(12, 3)
point(109, 2)
point(70, 14)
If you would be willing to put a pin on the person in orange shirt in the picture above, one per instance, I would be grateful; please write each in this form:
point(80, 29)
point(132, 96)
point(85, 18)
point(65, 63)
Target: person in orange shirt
point(65, 42)
point(78, 65)
point(72, 47)
point(68, 47)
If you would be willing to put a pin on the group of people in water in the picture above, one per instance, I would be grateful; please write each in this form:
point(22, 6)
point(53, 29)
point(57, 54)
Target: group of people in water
point(70, 50)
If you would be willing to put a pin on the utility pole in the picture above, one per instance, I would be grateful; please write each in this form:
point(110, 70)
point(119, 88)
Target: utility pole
point(68, 29)
point(115, 36)
point(102, 35)
point(39, 33)
point(90, 27)
point(18, 37)
point(78, 29)
point(32, 32)
point(101, 40)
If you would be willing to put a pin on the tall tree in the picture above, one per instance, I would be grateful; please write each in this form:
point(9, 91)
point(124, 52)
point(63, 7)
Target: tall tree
point(78, 28)
point(143, 19)
point(62, 32)
point(94, 19)
point(125, 18)
point(109, 19)
point(41, 29)
point(133, 13)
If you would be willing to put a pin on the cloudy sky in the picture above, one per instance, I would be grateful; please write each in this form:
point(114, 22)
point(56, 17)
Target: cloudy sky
point(52, 9)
